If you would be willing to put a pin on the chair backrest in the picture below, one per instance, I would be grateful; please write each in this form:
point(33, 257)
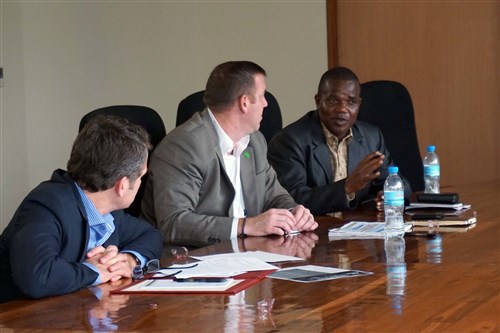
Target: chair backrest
point(271, 123)
point(140, 115)
point(388, 105)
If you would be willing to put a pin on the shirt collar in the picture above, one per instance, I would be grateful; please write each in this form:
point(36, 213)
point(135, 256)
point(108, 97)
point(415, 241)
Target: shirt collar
point(330, 137)
point(227, 146)
point(93, 215)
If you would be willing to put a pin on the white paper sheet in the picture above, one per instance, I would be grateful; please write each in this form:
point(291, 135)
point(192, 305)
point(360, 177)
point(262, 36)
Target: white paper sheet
point(261, 255)
point(223, 267)
point(361, 230)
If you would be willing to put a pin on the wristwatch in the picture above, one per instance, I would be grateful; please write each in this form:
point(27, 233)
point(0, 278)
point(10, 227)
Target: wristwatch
point(136, 259)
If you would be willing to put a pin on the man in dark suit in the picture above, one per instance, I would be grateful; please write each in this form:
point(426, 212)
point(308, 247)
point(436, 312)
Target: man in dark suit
point(70, 232)
point(327, 160)
point(209, 179)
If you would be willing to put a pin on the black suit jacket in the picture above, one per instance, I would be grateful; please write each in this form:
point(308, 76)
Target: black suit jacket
point(43, 248)
point(301, 158)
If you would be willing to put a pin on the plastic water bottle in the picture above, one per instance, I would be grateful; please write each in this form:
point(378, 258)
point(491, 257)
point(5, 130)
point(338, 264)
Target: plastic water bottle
point(431, 170)
point(394, 202)
point(434, 249)
point(396, 271)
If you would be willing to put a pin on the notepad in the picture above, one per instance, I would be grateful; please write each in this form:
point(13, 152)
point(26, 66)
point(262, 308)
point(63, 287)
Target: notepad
point(171, 285)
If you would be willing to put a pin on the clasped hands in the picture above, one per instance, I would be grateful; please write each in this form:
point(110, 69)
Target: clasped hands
point(279, 221)
point(111, 264)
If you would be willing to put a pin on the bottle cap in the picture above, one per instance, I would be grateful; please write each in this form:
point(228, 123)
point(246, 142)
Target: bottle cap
point(431, 149)
point(393, 169)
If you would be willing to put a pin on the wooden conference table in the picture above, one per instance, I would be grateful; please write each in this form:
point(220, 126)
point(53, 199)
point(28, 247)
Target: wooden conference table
point(451, 284)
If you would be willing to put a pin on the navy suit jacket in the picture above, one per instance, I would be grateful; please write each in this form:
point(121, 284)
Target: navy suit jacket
point(43, 248)
point(301, 158)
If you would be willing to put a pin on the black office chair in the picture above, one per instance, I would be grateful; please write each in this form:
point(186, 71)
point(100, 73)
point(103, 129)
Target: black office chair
point(271, 123)
point(388, 105)
point(140, 115)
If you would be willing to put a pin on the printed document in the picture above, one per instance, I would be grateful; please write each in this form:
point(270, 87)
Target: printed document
point(261, 255)
point(222, 267)
point(361, 230)
point(312, 273)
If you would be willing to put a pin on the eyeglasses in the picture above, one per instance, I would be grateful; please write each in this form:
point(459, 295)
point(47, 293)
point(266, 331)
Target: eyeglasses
point(153, 266)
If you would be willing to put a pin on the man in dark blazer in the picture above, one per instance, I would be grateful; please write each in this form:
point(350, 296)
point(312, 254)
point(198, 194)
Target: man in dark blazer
point(328, 160)
point(209, 179)
point(70, 232)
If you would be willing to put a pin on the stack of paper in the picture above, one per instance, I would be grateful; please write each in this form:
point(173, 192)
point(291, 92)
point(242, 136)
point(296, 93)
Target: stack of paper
point(361, 230)
point(236, 274)
point(261, 255)
point(222, 267)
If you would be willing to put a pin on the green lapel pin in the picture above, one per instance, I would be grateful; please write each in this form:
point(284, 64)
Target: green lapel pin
point(246, 154)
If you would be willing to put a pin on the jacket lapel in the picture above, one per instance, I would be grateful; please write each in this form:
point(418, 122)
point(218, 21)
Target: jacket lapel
point(320, 149)
point(214, 140)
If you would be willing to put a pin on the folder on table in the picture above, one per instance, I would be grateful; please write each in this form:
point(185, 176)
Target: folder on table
point(465, 218)
point(448, 221)
point(446, 229)
point(232, 286)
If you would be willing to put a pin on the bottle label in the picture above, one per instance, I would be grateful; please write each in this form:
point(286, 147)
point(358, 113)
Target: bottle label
point(431, 170)
point(394, 198)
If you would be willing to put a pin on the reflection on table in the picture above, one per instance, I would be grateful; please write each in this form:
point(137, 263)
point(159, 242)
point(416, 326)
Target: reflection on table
point(446, 282)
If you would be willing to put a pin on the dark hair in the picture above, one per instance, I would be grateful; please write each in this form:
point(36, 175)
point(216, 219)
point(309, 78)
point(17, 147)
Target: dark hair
point(229, 81)
point(107, 149)
point(336, 73)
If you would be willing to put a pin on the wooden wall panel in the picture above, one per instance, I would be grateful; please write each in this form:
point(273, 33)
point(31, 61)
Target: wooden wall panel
point(447, 55)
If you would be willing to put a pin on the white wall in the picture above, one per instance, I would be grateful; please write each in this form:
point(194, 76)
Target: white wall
point(64, 59)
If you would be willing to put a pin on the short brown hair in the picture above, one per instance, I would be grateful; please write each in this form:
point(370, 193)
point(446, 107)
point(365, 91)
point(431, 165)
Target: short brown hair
point(229, 81)
point(107, 149)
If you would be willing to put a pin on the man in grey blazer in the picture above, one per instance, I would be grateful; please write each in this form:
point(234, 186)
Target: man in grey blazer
point(209, 179)
point(327, 159)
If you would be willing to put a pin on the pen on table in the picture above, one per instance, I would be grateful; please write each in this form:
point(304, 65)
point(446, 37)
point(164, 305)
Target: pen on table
point(292, 233)
point(201, 280)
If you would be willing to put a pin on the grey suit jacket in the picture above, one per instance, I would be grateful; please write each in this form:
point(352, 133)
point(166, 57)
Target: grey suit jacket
point(188, 195)
point(301, 158)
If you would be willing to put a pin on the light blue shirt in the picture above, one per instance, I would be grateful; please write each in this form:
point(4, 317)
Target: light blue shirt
point(100, 229)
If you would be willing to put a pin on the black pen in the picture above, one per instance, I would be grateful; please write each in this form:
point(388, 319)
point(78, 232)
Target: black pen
point(213, 279)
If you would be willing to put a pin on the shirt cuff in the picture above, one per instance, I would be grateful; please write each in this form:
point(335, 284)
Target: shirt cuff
point(234, 228)
point(92, 267)
point(141, 258)
point(350, 197)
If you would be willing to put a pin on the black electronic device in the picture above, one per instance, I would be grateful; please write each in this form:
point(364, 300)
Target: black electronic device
point(439, 198)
